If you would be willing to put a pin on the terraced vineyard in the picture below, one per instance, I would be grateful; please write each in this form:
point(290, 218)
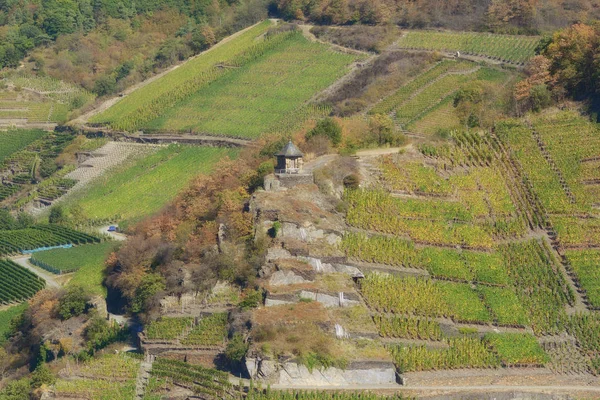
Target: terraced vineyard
point(236, 104)
point(222, 91)
point(404, 93)
point(17, 140)
point(61, 92)
point(109, 376)
point(206, 331)
point(432, 92)
point(210, 331)
point(38, 101)
point(23, 109)
point(441, 117)
point(205, 382)
point(17, 284)
point(506, 48)
point(464, 266)
point(483, 213)
point(558, 152)
point(143, 105)
point(465, 217)
point(24, 162)
point(443, 90)
point(585, 266)
point(167, 328)
point(458, 301)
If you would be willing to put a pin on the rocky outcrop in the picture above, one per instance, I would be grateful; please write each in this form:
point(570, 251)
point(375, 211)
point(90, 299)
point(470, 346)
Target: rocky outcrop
point(283, 278)
point(276, 253)
point(370, 373)
point(309, 233)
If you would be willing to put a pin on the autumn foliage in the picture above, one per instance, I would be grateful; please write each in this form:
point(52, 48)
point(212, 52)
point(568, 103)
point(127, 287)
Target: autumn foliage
point(180, 243)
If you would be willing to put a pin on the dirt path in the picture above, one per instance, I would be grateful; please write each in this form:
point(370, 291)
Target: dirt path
point(143, 377)
point(446, 389)
point(45, 275)
point(115, 235)
point(379, 152)
point(310, 36)
point(319, 162)
point(452, 54)
point(106, 104)
point(580, 304)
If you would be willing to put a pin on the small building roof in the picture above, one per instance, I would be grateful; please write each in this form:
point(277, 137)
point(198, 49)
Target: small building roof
point(290, 150)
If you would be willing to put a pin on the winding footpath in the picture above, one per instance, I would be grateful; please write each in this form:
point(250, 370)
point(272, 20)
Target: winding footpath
point(50, 278)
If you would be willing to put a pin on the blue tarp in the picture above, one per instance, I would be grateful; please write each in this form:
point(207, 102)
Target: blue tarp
point(64, 246)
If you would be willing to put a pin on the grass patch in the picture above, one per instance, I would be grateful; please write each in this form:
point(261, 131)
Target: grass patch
point(87, 263)
point(6, 316)
point(141, 189)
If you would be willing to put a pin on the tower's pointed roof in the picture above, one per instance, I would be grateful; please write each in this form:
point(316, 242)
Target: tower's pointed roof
point(290, 150)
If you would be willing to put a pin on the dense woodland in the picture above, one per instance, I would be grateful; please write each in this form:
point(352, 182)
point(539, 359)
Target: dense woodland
point(514, 16)
point(105, 46)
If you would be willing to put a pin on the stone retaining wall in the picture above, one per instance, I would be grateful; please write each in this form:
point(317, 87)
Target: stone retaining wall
point(370, 373)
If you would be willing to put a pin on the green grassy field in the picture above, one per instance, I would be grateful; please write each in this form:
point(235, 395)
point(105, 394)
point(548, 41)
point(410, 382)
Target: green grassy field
point(6, 316)
point(514, 49)
point(261, 96)
point(86, 261)
point(243, 88)
point(137, 190)
point(144, 104)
